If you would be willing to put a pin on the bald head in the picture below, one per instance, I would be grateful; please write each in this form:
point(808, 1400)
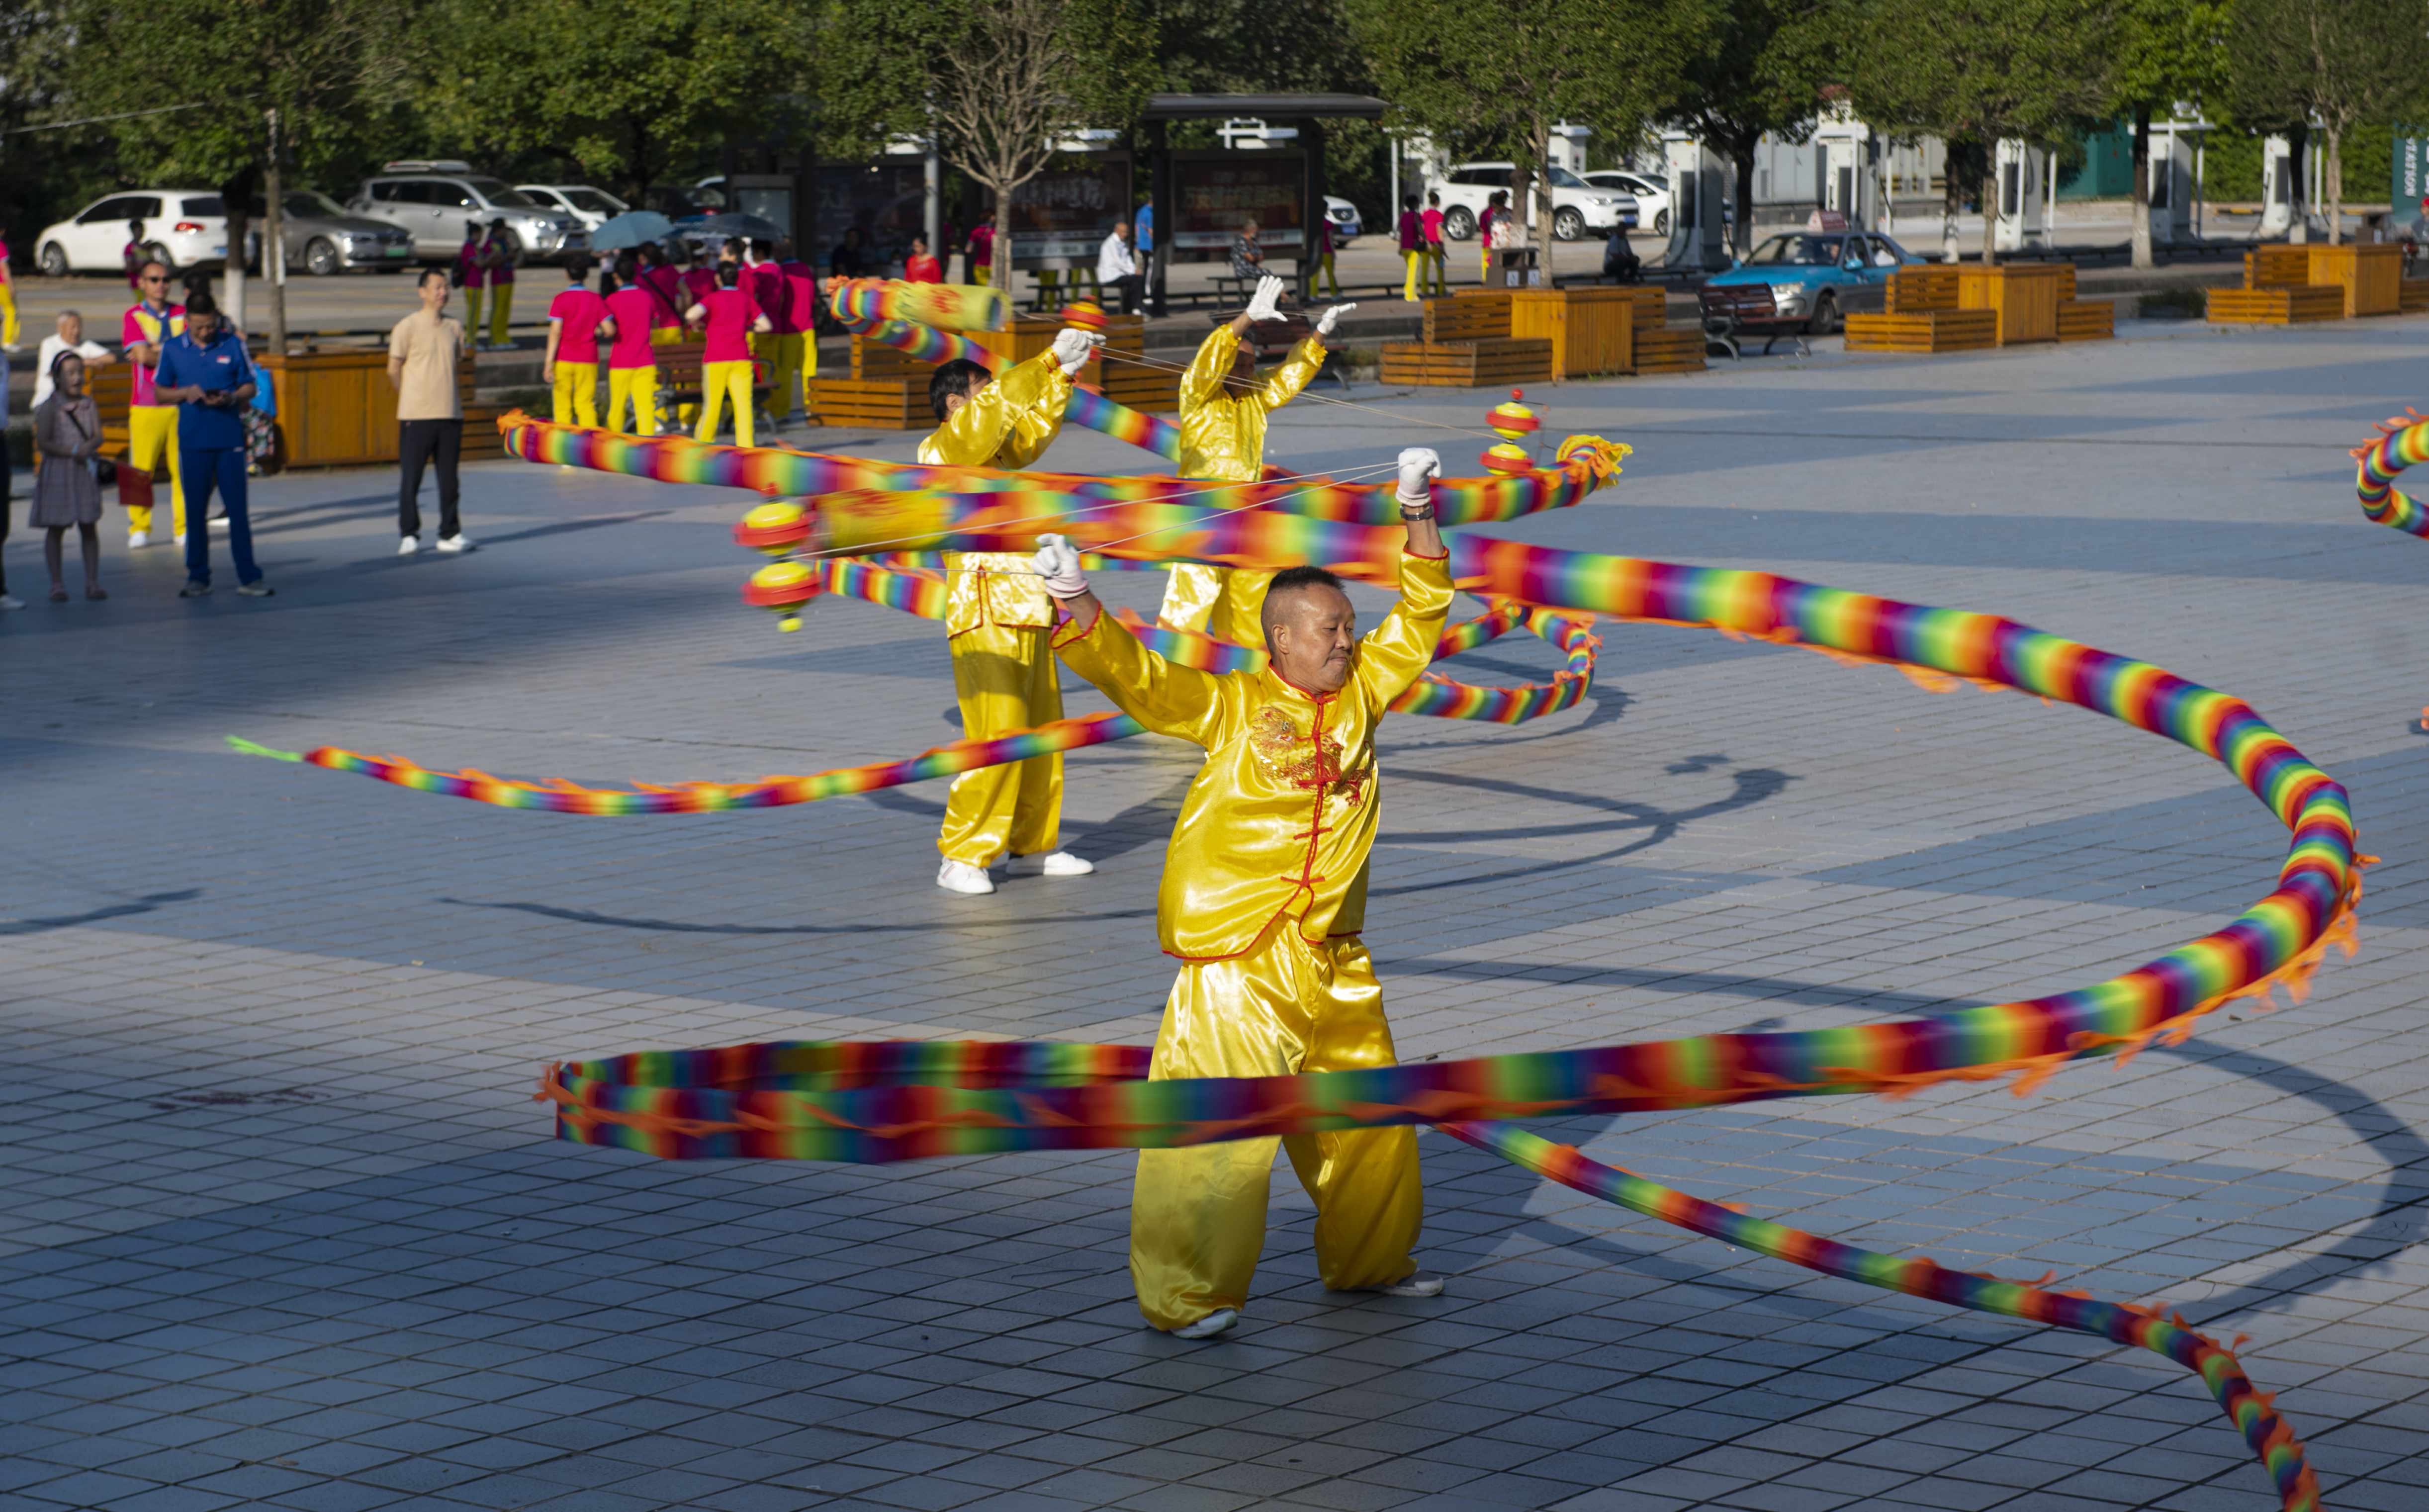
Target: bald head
point(1311, 629)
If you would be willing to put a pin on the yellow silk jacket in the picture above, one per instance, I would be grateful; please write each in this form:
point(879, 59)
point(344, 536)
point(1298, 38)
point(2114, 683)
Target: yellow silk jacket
point(1222, 429)
point(1005, 424)
point(1283, 817)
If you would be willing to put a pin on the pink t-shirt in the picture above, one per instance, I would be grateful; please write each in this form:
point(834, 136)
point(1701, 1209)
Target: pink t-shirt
point(1433, 219)
point(729, 325)
point(469, 272)
point(801, 295)
point(697, 283)
point(667, 301)
point(504, 272)
point(630, 308)
point(766, 283)
point(142, 325)
point(581, 310)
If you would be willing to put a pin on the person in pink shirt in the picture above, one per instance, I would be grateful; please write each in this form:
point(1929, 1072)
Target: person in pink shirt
point(658, 277)
point(151, 426)
point(500, 251)
point(922, 267)
point(576, 319)
point(763, 279)
point(981, 257)
point(802, 304)
point(470, 277)
point(1437, 257)
point(633, 361)
point(729, 317)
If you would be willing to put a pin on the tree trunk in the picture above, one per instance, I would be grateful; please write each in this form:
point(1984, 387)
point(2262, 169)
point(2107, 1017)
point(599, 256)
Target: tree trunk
point(2141, 197)
point(1545, 206)
point(234, 194)
point(1991, 207)
point(273, 243)
point(2335, 172)
point(2297, 193)
point(1742, 159)
point(1000, 268)
point(1952, 199)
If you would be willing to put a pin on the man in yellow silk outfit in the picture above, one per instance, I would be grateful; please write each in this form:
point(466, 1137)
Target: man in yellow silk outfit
point(1263, 900)
point(1223, 411)
point(996, 619)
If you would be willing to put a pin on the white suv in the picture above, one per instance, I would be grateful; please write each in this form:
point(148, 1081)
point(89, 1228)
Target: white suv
point(181, 228)
point(593, 208)
point(433, 201)
point(1651, 193)
point(1578, 207)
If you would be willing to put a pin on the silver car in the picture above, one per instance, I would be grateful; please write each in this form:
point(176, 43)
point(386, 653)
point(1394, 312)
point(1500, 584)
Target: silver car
point(323, 238)
point(435, 203)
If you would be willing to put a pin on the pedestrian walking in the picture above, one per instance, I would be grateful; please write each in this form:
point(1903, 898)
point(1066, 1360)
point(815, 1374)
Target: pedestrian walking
point(1437, 255)
point(1325, 276)
point(67, 481)
point(470, 275)
point(1491, 230)
point(801, 305)
point(1118, 266)
point(500, 253)
point(633, 361)
point(980, 260)
point(205, 373)
point(424, 352)
point(726, 318)
point(1412, 246)
point(571, 366)
point(133, 256)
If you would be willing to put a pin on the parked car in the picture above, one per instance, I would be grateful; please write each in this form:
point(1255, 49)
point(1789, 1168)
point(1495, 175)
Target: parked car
point(683, 202)
point(1346, 225)
point(1804, 282)
point(433, 201)
point(322, 238)
point(593, 208)
point(1578, 208)
point(1651, 193)
point(181, 228)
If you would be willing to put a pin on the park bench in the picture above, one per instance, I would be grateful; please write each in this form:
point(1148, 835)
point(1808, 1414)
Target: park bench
point(681, 378)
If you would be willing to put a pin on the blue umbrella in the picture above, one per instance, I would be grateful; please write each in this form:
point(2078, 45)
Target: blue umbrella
point(631, 229)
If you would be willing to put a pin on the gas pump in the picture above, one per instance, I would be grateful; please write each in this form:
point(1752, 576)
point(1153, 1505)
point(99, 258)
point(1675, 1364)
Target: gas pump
point(2276, 188)
point(2021, 225)
point(1698, 238)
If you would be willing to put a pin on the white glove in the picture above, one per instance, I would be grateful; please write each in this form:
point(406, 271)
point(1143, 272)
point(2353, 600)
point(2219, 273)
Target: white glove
point(1059, 565)
point(1073, 347)
point(1265, 305)
point(1418, 465)
point(1332, 312)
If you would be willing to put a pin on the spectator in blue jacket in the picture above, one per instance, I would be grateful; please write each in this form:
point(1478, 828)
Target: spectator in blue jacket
point(205, 374)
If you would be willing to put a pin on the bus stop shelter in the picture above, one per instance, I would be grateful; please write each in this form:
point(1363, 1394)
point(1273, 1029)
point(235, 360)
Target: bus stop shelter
point(1307, 112)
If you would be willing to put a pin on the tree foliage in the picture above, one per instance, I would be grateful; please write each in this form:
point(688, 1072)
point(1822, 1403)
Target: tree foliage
point(2340, 62)
point(1761, 73)
point(1492, 80)
point(2168, 50)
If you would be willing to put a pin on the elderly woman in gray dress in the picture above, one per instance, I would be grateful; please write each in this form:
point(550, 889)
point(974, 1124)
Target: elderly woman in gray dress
point(67, 490)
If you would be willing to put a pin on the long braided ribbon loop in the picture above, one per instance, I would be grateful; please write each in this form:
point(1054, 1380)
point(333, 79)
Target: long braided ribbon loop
point(2402, 441)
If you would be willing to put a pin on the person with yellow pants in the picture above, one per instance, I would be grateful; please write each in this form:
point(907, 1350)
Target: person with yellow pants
point(471, 274)
point(1223, 411)
point(499, 255)
point(802, 304)
point(728, 317)
point(996, 621)
point(1263, 900)
point(151, 426)
point(7, 301)
point(576, 319)
point(633, 361)
point(779, 348)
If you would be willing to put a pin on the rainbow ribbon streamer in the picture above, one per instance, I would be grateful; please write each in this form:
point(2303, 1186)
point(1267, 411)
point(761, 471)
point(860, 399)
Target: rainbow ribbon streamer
point(2402, 441)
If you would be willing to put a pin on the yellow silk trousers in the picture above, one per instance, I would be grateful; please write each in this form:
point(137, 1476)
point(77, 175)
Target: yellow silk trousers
point(502, 304)
point(639, 388)
point(1005, 678)
point(576, 396)
point(471, 313)
point(718, 382)
point(151, 445)
point(1224, 602)
point(7, 313)
point(1409, 286)
point(782, 351)
point(1197, 1215)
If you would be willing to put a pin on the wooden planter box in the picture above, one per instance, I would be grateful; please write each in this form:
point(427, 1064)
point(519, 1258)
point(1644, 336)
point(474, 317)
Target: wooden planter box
point(873, 360)
point(1590, 329)
point(2372, 276)
point(2087, 320)
point(1933, 331)
point(2023, 297)
point(2412, 296)
point(1467, 364)
point(1483, 315)
point(1029, 335)
point(1922, 291)
point(2280, 305)
point(1662, 350)
point(886, 403)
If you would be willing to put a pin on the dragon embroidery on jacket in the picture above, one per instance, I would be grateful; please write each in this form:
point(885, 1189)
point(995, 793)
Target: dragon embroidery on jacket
point(1306, 761)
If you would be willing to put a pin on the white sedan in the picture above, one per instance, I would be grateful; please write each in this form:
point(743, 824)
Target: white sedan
point(593, 208)
point(180, 227)
point(1651, 193)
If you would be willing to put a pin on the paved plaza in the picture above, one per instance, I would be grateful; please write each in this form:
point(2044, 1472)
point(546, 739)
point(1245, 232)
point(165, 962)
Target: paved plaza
point(284, 1228)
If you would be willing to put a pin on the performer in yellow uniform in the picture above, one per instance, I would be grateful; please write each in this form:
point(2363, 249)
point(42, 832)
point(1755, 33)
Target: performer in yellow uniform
point(1223, 411)
point(1264, 896)
point(996, 619)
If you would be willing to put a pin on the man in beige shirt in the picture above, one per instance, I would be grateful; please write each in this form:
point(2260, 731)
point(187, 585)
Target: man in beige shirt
point(424, 352)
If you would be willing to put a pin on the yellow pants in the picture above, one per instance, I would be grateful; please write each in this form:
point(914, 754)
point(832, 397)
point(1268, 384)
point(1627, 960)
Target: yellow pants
point(1409, 286)
point(471, 313)
point(1325, 273)
point(1197, 1215)
point(665, 335)
point(7, 313)
point(783, 350)
point(152, 444)
point(1438, 268)
point(639, 388)
point(577, 393)
point(1225, 602)
point(720, 382)
point(501, 302)
point(1005, 680)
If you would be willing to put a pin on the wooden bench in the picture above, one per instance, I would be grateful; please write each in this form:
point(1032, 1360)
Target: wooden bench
point(1490, 362)
point(2412, 295)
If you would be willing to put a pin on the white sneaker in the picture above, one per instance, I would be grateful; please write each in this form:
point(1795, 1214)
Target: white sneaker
point(219, 522)
point(181, 540)
point(137, 540)
point(9, 601)
point(1218, 1322)
point(1061, 863)
point(1414, 1284)
point(453, 543)
point(409, 545)
point(961, 877)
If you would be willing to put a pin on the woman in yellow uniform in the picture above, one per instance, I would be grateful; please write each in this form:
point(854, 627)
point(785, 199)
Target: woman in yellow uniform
point(1263, 900)
point(996, 619)
point(1223, 411)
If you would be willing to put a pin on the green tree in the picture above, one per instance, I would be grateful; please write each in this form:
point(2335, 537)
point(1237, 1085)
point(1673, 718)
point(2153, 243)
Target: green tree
point(1761, 73)
point(1494, 79)
point(2339, 62)
point(2168, 50)
point(1975, 73)
point(997, 83)
point(624, 92)
point(311, 62)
